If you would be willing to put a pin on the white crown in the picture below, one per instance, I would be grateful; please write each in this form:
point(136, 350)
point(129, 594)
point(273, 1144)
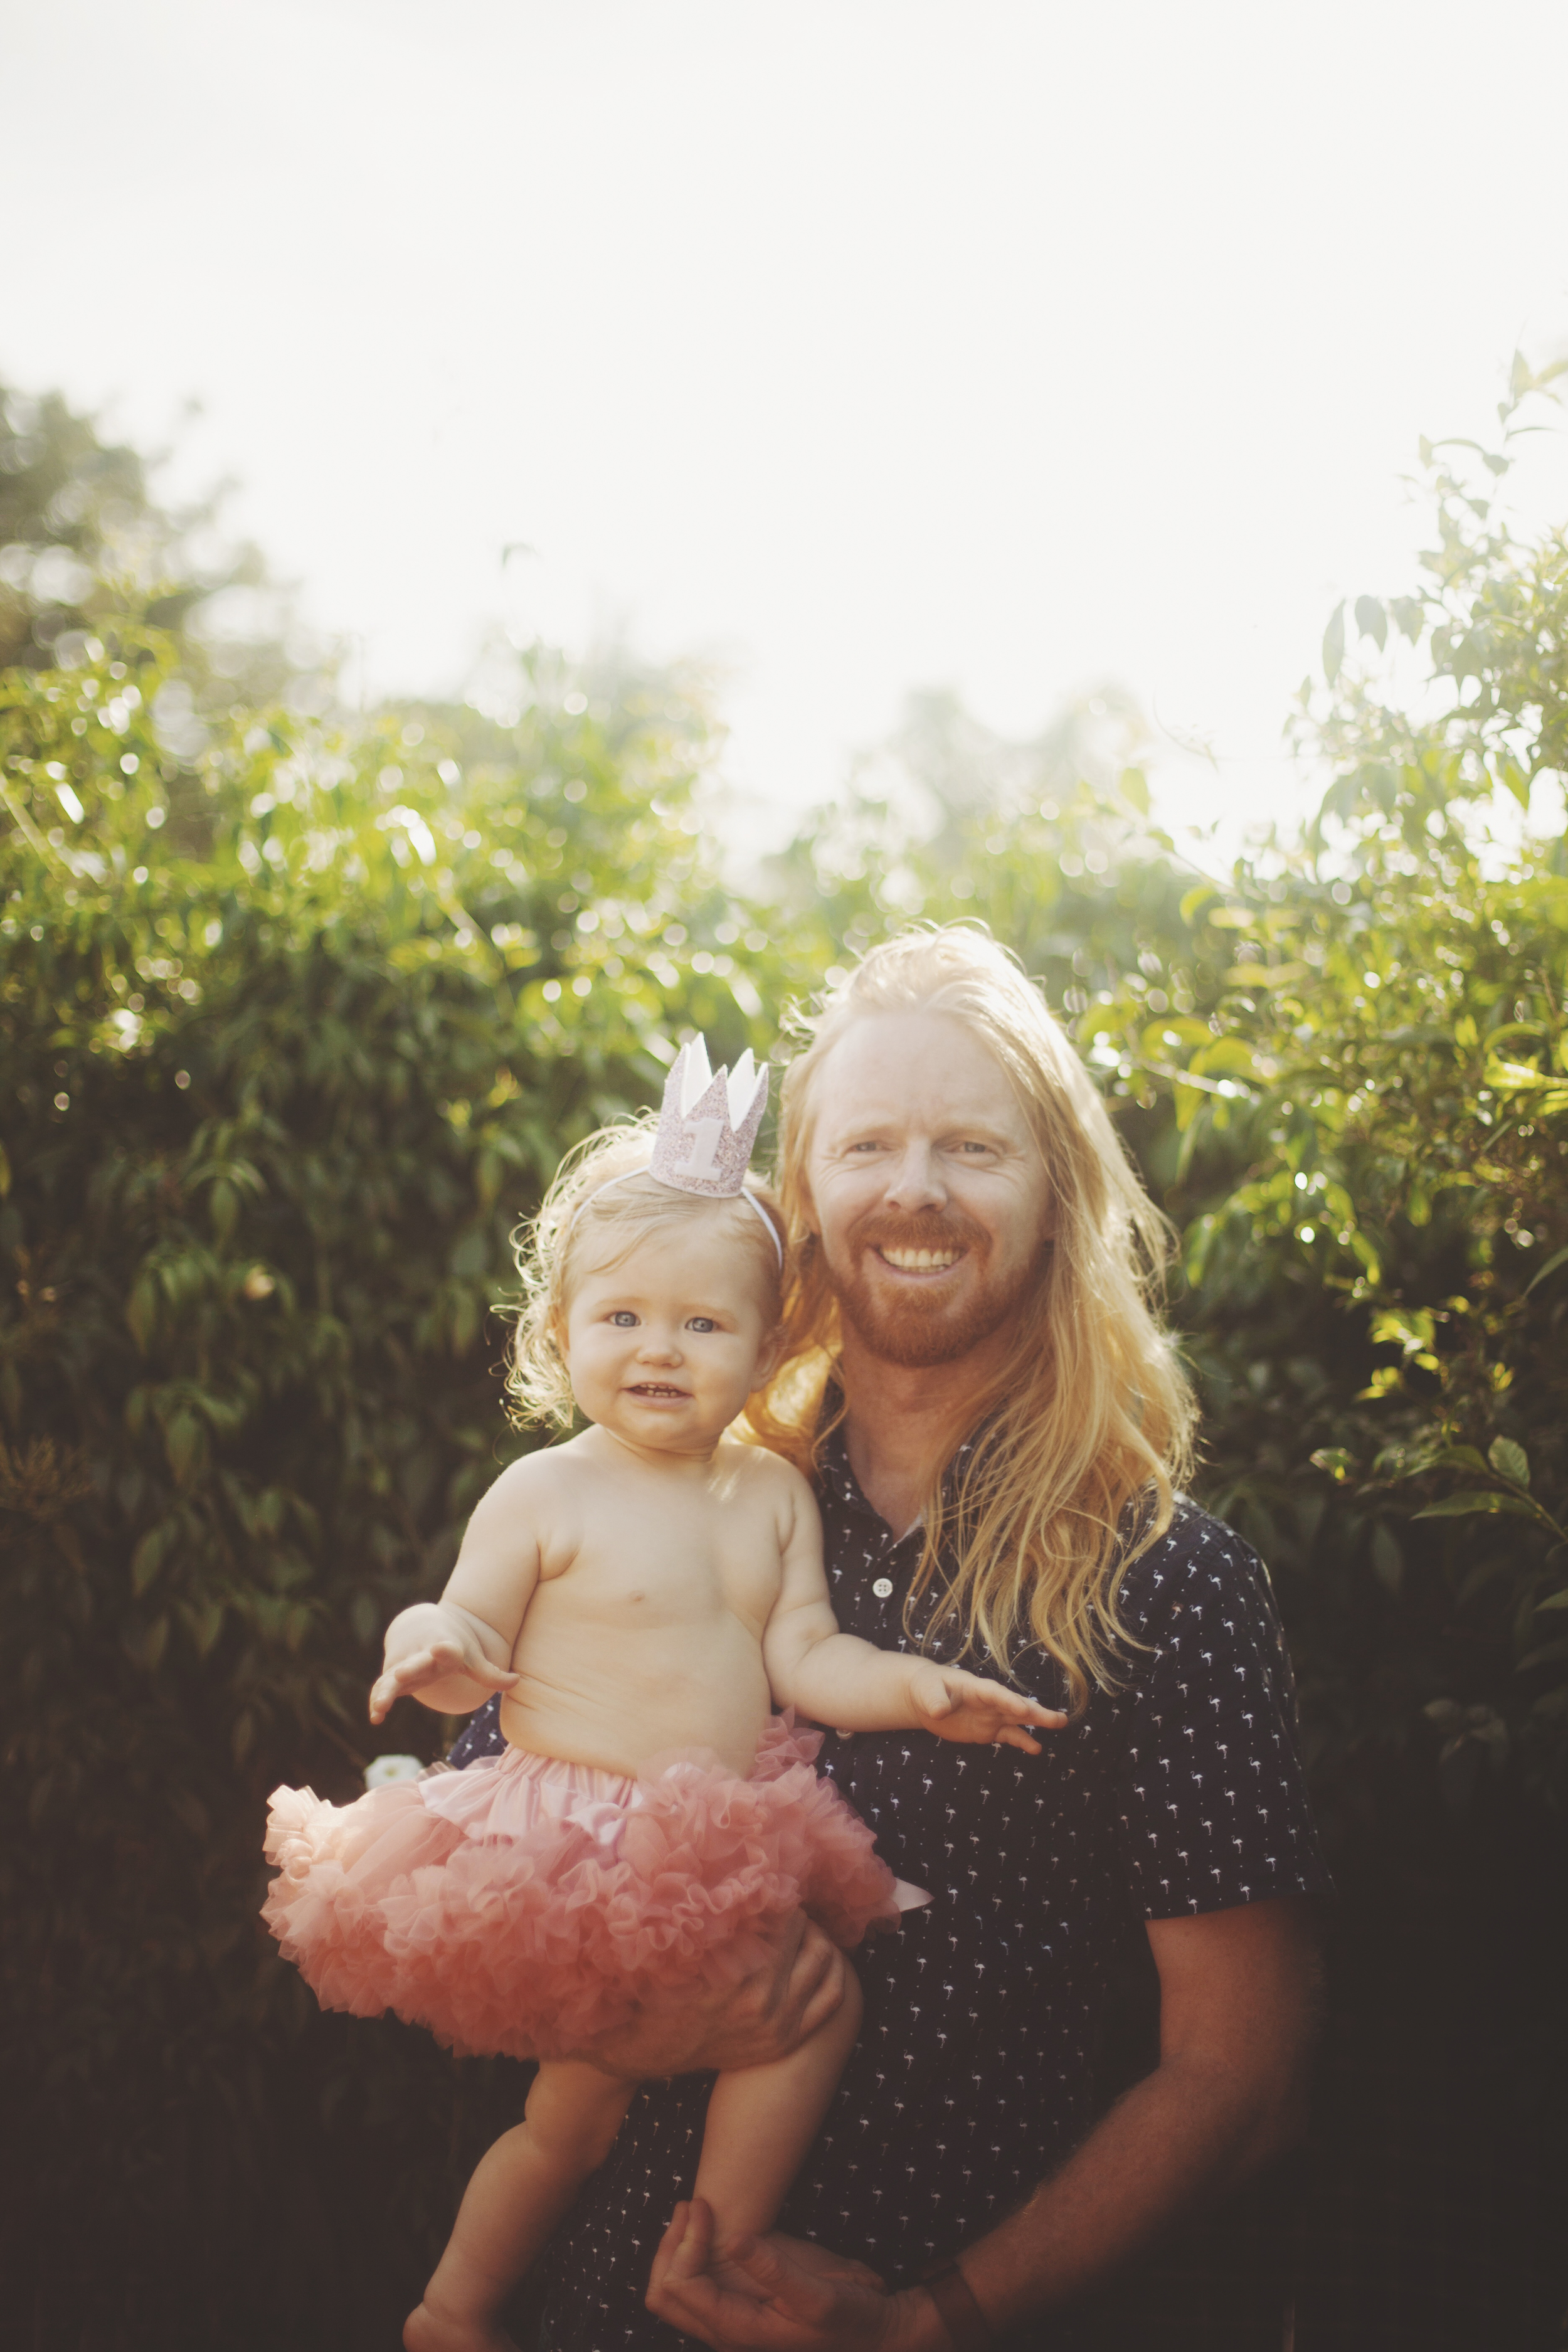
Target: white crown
point(708, 1125)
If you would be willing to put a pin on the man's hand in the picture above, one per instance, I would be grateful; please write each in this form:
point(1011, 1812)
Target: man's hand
point(777, 2294)
point(961, 1706)
point(428, 1645)
point(796, 1986)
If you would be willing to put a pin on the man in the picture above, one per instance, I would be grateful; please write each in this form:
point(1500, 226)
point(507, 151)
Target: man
point(994, 1423)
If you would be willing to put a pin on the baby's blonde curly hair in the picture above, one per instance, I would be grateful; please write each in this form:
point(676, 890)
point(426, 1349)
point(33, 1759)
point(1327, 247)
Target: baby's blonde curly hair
point(602, 1203)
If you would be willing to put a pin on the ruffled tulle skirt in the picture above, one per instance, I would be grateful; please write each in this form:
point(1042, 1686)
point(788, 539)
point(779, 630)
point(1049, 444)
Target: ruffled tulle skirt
point(525, 1906)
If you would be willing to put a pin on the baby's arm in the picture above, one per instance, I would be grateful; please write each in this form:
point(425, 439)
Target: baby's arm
point(451, 1654)
point(835, 1678)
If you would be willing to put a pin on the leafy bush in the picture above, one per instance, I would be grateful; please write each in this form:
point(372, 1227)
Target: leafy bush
point(295, 1027)
point(295, 1020)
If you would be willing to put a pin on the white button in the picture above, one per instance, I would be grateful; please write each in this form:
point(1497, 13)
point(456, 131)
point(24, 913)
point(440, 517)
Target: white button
point(883, 1588)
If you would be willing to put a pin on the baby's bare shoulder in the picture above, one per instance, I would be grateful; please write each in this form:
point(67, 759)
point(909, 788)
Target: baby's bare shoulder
point(535, 1507)
point(535, 1484)
point(769, 1475)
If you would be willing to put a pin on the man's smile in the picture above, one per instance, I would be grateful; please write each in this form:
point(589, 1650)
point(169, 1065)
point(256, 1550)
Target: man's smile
point(920, 1261)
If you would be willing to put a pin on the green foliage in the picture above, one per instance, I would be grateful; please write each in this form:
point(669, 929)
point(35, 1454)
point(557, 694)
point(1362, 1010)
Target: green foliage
point(294, 1026)
point(1376, 1220)
point(1344, 1066)
point(84, 545)
point(297, 1018)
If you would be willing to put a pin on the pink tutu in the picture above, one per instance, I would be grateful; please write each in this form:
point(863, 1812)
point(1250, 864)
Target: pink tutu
point(524, 1906)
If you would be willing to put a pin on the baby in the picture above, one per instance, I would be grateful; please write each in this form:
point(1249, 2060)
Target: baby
point(643, 1596)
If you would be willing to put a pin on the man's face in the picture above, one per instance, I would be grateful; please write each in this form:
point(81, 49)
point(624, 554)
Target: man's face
point(928, 1190)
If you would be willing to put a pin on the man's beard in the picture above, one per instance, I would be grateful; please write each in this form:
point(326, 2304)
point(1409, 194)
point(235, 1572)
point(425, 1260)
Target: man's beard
point(918, 1329)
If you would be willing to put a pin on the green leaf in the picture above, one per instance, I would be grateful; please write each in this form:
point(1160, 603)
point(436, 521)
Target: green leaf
point(147, 1558)
point(1512, 775)
point(188, 1808)
point(1473, 1502)
point(1411, 1328)
point(184, 1442)
point(1372, 620)
point(1387, 1558)
point(1509, 1460)
point(1552, 1263)
point(1334, 644)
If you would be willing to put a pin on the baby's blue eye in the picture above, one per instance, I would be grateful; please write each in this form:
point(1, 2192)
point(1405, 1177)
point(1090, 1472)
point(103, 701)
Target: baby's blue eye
point(624, 1319)
point(701, 1323)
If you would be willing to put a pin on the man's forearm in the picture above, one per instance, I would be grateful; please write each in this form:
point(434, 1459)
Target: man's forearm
point(1184, 2135)
point(1187, 2132)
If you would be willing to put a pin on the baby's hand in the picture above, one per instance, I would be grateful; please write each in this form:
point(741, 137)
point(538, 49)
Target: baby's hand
point(957, 1705)
point(451, 1654)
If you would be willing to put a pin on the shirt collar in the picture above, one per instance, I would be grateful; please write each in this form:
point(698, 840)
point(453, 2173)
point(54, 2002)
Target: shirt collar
point(837, 1479)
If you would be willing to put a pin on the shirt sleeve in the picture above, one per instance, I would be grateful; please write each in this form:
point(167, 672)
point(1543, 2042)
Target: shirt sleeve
point(482, 1736)
point(1213, 1810)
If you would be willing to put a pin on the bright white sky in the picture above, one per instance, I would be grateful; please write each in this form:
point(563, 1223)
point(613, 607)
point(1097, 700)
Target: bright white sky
point(865, 344)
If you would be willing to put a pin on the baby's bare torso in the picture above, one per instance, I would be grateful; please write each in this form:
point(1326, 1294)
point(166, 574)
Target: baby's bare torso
point(645, 1630)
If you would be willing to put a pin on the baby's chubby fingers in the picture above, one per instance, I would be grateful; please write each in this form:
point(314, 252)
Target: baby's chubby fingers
point(396, 1681)
point(1016, 1706)
point(964, 1707)
point(436, 1663)
point(945, 1690)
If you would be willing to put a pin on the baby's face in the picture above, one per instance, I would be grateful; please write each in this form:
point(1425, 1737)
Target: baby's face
point(665, 1347)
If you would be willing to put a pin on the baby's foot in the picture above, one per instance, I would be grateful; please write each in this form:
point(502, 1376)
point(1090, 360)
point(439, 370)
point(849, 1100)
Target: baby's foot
point(438, 2329)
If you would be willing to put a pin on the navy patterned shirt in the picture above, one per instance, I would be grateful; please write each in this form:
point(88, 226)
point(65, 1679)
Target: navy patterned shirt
point(974, 2074)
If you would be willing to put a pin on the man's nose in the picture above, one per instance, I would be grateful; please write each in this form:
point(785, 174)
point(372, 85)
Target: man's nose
point(917, 1179)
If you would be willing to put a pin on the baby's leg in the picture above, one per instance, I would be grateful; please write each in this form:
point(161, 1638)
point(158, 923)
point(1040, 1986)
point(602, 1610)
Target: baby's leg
point(763, 2119)
point(520, 2189)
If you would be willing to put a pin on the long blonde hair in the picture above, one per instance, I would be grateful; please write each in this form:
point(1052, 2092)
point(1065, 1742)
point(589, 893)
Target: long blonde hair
point(600, 1204)
point(1082, 1434)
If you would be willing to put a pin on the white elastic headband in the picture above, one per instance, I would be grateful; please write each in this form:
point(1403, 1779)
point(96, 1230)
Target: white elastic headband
point(749, 1199)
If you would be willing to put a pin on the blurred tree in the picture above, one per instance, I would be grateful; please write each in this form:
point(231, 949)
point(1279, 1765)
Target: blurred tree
point(83, 541)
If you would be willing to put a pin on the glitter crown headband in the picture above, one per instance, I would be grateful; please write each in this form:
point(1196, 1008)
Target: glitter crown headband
point(707, 1128)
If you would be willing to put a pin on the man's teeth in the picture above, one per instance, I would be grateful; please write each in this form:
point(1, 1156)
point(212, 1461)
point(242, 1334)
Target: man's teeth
point(922, 1261)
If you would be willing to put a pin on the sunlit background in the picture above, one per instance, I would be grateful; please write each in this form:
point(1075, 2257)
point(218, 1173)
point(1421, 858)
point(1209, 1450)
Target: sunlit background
point(856, 345)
